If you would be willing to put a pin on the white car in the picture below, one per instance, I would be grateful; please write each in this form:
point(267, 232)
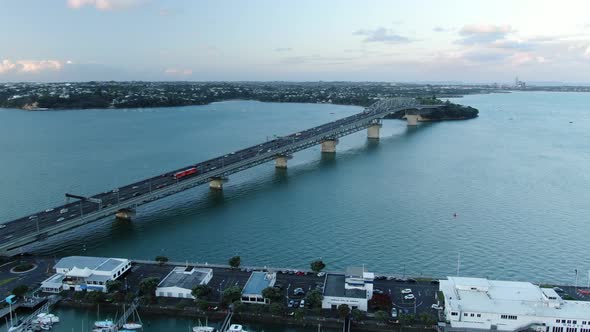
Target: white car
point(2, 226)
point(321, 274)
point(436, 307)
point(48, 210)
point(61, 219)
point(64, 210)
point(406, 291)
point(409, 297)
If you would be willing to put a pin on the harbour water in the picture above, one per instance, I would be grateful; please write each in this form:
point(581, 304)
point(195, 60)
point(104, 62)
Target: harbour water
point(517, 178)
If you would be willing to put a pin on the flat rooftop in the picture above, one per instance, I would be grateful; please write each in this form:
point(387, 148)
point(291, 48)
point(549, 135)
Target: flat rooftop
point(185, 277)
point(94, 263)
point(257, 282)
point(508, 297)
point(335, 287)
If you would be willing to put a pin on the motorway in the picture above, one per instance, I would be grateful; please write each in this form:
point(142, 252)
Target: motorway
point(37, 222)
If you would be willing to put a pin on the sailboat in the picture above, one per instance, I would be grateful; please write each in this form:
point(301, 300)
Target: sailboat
point(133, 325)
point(103, 325)
point(203, 328)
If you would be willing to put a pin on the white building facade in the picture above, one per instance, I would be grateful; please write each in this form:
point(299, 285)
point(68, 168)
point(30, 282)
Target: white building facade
point(257, 282)
point(354, 288)
point(481, 304)
point(81, 273)
point(181, 281)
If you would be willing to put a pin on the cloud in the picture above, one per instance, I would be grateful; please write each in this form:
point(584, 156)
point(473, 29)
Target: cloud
point(103, 4)
point(283, 49)
point(483, 33)
point(439, 29)
point(382, 35)
point(29, 66)
point(180, 72)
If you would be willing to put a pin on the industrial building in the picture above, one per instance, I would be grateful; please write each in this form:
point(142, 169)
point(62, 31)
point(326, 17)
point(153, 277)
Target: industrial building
point(354, 288)
point(85, 273)
point(181, 280)
point(258, 281)
point(481, 304)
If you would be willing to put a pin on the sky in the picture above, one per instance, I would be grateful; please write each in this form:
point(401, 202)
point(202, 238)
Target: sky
point(471, 41)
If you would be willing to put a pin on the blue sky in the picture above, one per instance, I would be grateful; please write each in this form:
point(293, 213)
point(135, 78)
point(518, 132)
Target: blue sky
point(301, 40)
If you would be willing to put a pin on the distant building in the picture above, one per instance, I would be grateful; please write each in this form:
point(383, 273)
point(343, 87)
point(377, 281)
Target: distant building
point(354, 288)
point(252, 292)
point(481, 304)
point(181, 281)
point(85, 273)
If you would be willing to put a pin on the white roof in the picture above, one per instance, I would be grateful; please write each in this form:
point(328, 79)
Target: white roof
point(478, 295)
point(81, 273)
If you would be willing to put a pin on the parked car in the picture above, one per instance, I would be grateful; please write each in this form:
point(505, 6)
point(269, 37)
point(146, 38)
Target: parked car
point(407, 291)
point(279, 286)
point(412, 281)
point(557, 289)
point(300, 273)
point(435, 282)
point(298, 291)
point(377, 291)
point(302, 303)
point(380, 278)
point(436, 307)
point(393, 313)
point(2, 226)
point(62, 211)
point(32, 217)
point(409, 297)
point(48, 210)
point(321, 274)
point(291, 304)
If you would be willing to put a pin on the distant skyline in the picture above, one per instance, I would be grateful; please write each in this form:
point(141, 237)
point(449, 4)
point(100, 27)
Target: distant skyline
point(261, 40)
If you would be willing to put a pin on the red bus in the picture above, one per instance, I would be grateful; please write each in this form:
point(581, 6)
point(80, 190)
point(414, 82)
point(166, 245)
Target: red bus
point(184, 173)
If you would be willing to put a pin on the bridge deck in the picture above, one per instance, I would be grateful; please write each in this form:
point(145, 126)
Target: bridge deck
point(21, 231)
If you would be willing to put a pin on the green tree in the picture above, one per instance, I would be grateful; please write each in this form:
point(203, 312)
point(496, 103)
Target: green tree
point(161, 259)
point(272, 293)
point(232, 294)
point(343, 310)
point(238, 307)
point(314, 298)
point(20, 290)
point(147, 286)
point(427, 319)
point(95, 297)
point(317, 266)
point(114, 286)
point(201, 291)
point(276, 308)
point(299, 314)
point(382, 316)
point(406, 319)
point(202, 304)
point(234, 262)
point(357, 315)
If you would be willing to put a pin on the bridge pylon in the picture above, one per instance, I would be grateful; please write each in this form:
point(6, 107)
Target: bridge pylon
point(281, 161)
point(216, 183)
point(373, 131)
point(329, 145)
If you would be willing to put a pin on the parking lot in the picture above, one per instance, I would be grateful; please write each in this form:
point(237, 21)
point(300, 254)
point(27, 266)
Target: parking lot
point(424, 295)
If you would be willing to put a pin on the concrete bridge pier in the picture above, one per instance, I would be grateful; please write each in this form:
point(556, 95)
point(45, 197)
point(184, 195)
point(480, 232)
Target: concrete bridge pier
point(412, 119)
point(329, 146)
point(373, 131)
point(217, 183)
point(281, 161)
point(125, 214)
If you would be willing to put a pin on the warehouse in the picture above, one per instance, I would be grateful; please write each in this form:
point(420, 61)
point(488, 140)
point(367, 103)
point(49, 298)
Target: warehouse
point(181, 280)
point(481, 304)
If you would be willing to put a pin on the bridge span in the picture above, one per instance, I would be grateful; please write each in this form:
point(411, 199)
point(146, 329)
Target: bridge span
point(123, 201)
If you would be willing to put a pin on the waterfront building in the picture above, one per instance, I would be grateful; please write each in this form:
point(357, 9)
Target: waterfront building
point(481, 304)
point(354, 288)
point(85, 273)
point(181, 280)
point(258, 281)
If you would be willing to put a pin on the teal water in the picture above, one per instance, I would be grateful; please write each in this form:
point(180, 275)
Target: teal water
point(517, 177)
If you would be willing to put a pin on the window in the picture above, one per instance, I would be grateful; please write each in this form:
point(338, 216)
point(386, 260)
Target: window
point(512, 317)
point(569, 321)
point(464, 314)
point(571, 329)
point(454, 313)
point(574, 322)
point(472, 315)
point(478, 315)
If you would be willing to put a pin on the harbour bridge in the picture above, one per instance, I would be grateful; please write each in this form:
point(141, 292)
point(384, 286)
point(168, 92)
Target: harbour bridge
point(122, 201)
